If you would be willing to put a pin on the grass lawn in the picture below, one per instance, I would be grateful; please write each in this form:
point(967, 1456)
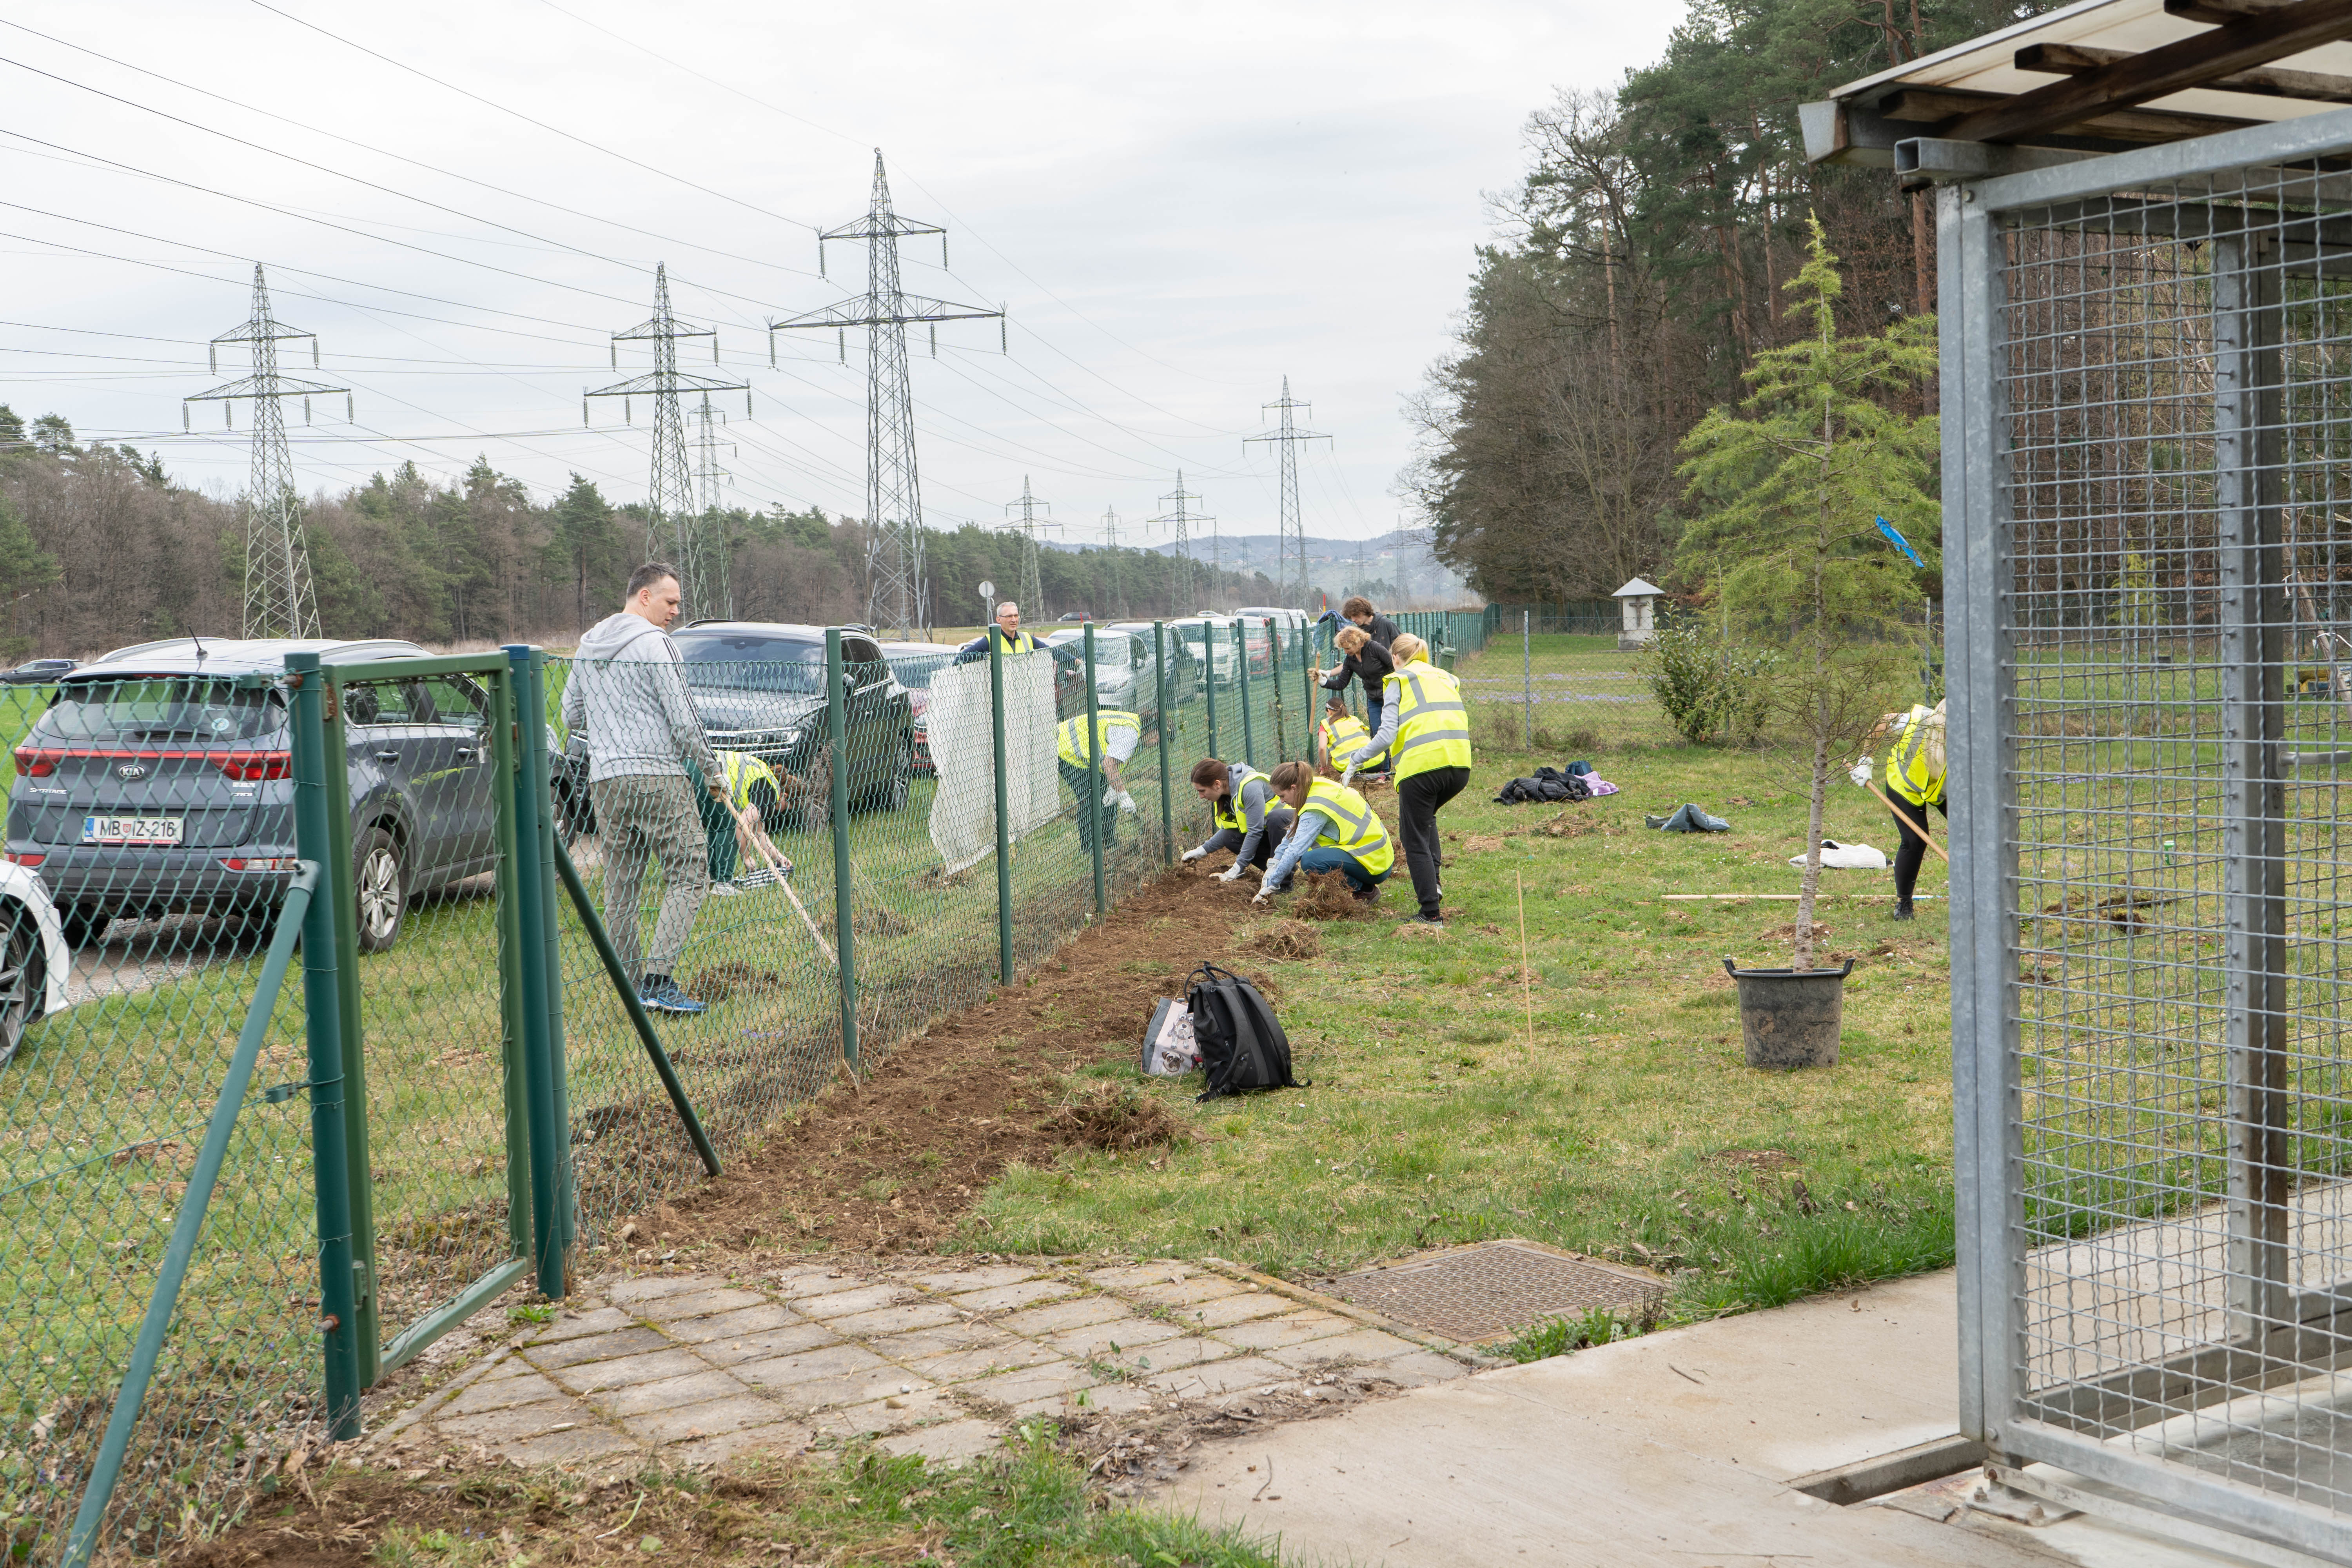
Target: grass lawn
point(1629, 1125)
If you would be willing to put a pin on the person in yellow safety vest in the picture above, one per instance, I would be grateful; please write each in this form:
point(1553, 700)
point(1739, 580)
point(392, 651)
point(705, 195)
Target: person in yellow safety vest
point(1117, 734)
point(1007, 634)
point(1337, 830)
point(1914, 777)
point(1425, 734)
point(1347, 743)
point(1250, 819)
point(752, 790)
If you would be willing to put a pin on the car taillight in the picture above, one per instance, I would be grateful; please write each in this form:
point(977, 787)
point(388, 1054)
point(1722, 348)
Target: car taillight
point(32, 763)
point(262, 863)
point(27, 861)
point(255, 767)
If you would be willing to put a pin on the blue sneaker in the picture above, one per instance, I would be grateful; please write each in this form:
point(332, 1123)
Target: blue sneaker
point(661, 995)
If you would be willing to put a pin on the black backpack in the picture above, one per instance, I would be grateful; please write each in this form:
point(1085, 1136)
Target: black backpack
point(1241, 1044)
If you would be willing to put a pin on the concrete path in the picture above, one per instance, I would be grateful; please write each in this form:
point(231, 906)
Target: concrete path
point(929, 1359)
point(1669, 1449)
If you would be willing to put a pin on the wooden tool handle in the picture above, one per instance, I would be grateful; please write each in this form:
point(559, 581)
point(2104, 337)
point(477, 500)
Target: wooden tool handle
point(1905, 818)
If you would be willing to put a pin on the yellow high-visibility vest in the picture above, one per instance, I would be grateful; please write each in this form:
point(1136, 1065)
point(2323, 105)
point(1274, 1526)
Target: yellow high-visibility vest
point(1226, 811)
point(744, 770)
point(1019, 642)
point(1349, 745)
point(1356, 828)
point(1914, 767)
point(1433, 724)
point(1072, 735)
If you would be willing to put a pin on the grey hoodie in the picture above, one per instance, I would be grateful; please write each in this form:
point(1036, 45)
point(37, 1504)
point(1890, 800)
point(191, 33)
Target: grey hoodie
point(627, 699)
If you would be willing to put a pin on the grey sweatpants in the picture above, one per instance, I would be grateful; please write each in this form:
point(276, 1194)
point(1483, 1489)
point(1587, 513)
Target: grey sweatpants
point(639, 817)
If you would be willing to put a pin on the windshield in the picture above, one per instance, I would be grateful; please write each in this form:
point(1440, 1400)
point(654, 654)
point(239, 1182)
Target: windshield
point(749, 661)
point(915, 670)
point(160, 711)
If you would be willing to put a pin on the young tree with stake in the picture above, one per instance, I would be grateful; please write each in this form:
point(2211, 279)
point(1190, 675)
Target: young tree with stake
point(1789, 485)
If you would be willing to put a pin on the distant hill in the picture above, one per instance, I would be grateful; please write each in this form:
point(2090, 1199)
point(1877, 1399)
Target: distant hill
point(1394, 566)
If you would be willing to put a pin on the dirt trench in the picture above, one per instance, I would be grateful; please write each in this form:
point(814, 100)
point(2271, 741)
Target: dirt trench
point(895, 1162)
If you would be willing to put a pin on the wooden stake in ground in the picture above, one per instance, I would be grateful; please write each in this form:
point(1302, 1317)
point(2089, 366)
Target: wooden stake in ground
point(1527, 975)
point(1905, 818)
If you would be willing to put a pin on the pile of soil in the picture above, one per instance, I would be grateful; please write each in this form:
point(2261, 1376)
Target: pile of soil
point(894, 1162)
point(1325, 896)
point(1288, 939)
point(1115, 1116)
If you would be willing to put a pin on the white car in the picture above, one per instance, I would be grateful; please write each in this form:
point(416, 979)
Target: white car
point(34, 959)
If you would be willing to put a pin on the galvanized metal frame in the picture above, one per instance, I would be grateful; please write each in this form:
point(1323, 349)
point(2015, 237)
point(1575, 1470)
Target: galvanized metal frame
point(2276, 1335)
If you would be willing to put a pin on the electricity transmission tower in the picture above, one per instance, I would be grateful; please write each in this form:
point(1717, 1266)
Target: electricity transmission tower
point(1032, 592)
point(707, 475)
point(1118, 575)
point(1286, 437)
point(279, 601)
point(1181, 521)
point(669, 496)
point(894, 500)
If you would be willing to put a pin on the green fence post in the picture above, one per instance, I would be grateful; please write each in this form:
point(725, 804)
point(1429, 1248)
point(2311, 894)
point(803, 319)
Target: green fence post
point(1241, 673)
point(1209, 684)
point(844, 905)
point(1307, 668)
point(1274, 673)
point(1003, 826)
point(1093, 801)
point(324, 980)
point(550, 1143)
point(1167, 800)
point(504, 734)
point(537, 758)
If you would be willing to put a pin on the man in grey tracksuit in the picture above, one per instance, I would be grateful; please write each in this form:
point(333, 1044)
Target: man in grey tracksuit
point(627, 699)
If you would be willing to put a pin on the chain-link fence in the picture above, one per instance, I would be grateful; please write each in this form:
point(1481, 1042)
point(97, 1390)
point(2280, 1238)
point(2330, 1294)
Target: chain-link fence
point(2145, 364)
point(1559, 692)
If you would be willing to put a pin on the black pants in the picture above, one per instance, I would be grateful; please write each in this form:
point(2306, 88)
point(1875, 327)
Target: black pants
point(1418, 799)
point(1091, 810)
point(1913, 849)
point(1278, 819)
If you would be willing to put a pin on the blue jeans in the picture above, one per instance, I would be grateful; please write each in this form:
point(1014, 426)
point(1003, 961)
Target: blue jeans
point(1325, 857)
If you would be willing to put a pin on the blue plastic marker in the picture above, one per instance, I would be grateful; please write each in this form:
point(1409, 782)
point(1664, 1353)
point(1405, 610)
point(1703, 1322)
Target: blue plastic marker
point(1895, 537)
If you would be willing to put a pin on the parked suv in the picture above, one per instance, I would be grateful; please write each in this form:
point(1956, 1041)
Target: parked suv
point(35, 672)
point(160, 780)
point(759, 687)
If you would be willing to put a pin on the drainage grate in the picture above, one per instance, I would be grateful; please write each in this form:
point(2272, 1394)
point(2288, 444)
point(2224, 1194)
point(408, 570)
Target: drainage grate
point(1494, 1288)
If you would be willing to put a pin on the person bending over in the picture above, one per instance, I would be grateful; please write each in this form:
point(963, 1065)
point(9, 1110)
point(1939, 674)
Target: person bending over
point(1914, 778)
point(1346, 743)
point(1366, 658)
point(1250, 819)
point(1116, 736)
point(1337, 830)
point(1426, 733)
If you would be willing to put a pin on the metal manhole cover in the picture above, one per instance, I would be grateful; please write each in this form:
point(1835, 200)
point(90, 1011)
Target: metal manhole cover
point(1496, 1288)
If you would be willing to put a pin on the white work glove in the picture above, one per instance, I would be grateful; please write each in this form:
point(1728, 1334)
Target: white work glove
point(1196, 853)
point(1348, 779)
point(1861, 774)
point(1231, 874)
point(1110, 795)
point(1263, 894)
point(1125, 801)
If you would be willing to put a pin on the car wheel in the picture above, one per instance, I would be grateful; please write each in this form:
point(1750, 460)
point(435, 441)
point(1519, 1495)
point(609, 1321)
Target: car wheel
point(82, 925)
point(382, 887)
point(24, 978)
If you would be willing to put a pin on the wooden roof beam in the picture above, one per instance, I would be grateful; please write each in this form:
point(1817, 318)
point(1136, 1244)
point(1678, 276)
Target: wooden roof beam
point(2247, 42)
point(2270, 81)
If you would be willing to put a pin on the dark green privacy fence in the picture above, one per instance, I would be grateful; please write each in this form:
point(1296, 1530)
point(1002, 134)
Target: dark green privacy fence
point(227, 1209)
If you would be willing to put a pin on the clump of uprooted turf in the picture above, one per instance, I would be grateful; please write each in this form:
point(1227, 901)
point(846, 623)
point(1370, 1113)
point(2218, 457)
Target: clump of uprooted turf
point(1325, 896)
point(1288, 939)
point(1117, 1119)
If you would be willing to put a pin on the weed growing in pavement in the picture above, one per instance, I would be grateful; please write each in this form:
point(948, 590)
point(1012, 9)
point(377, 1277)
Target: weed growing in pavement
point(1566, 1336)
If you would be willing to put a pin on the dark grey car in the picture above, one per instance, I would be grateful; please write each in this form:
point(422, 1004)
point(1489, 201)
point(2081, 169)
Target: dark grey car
point(159, 780)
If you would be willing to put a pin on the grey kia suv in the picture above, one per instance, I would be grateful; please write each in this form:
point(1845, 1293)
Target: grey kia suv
point(160, 781)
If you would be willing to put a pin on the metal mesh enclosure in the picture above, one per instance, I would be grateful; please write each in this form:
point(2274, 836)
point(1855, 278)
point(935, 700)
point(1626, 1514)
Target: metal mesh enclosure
point(2148, 454)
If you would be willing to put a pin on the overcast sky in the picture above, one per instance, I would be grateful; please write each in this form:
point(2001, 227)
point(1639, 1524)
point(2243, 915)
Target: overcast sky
point(1179, 203)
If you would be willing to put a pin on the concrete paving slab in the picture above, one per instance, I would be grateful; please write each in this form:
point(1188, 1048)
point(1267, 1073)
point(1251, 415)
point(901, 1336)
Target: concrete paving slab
point(590, 1440)
point(941, 1340)
point(1363, 1344)
point(1104, 1398)
point(707, 1418)
point(620, 1371)
point(767, 1344)
point(950, 1443)
point(953, 1281)
point(1026, 1293)
point(1290, 1329)
point(1076, 1312)
point(1033, 1382)
point(666, 1309)
point(1169, 1355)
point(627, 1292)
point(1191, 1290)
point(1240, 1373)
point(637, 1399)
point(807, 1366)
point(956, 1366)
point(573, 1325)
point(752, 1320)
point(1240, 1307)
point(1122, 1337)
point(902, 1319)
point(891, 1413)
point(843, 1303)
point(501, 1394)
point(1418, 1369)
point(852, 1388)
point(1131, 1276)
point(779, 1438)
point(634, 1339)
point(502, 1427)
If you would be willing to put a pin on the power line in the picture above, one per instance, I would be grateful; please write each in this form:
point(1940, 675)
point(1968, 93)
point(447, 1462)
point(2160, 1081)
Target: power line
point(1292, 537)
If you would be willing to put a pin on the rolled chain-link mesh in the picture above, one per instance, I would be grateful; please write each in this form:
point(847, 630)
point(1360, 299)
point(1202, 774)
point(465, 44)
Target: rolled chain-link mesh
point(149, 839)
point(2178, 448)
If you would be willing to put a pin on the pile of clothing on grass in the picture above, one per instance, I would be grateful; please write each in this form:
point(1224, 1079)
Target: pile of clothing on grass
point(1577, 782)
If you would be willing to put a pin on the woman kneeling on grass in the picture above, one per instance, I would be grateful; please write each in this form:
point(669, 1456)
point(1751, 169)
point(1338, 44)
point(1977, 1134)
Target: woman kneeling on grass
point(1337, 830)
